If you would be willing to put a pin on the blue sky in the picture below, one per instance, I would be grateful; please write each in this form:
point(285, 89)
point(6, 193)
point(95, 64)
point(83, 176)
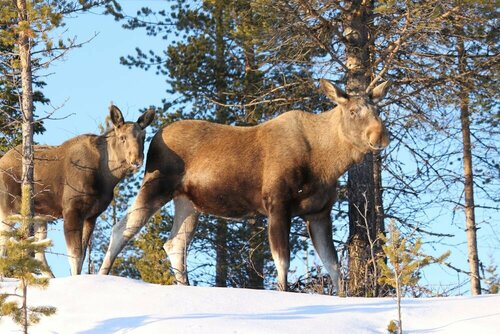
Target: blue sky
point(83, 85)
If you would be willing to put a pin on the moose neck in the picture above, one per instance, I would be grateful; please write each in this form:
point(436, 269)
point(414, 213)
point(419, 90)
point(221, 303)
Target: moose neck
point(334, 152)
point(114, 165)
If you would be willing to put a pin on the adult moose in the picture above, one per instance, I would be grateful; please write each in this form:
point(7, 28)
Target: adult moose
point(282, 168)
point(74, 181)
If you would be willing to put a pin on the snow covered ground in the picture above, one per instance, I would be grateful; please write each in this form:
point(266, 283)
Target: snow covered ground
point(107, 304)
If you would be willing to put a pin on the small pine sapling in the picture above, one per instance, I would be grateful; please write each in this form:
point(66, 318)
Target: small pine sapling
point(492, 279)
point(404, 262)
point(151, 261)
point(20, 264)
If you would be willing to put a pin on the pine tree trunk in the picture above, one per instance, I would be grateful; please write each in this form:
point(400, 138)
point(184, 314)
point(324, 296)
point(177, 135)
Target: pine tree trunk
point(221, 260)
point(221, 265)
point(27, 141)
point(364, 189)
point(27, 116)
point(470, 220)
point(379, 225)
point(255, 227)
point(24, 287)
point(256, 253)
point(398, 292)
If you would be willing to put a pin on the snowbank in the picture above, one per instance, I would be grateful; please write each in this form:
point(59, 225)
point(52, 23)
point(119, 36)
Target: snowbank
point(107, 304)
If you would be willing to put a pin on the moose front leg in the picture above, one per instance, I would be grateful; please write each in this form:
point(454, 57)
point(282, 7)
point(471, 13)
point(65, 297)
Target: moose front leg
point(73, 227)
point(150, 199)
point(319, 227)
point(88, 228)
point(279, 234)
point(124, 230)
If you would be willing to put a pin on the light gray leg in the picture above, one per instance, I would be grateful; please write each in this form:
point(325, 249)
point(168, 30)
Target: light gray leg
point(41, 234)
point(185, 221)
point(320, 230)
point(124, 230)
point(152, 196)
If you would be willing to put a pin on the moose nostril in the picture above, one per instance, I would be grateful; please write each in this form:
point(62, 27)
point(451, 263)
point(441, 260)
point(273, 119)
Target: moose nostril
point(377, 139)
point(136, 163)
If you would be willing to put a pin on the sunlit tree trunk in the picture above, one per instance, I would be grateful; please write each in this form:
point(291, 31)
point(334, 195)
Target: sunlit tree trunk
point(26, 104)
point(364, 190)
point(255, 229)
point(221, 233)
point(27, 112)
point(470, 220)
point(255, 232)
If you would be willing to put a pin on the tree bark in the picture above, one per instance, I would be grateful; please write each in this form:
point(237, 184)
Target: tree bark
point(24, 288)
point(255, 228)
point(364, 181)
point(470, 220)
point(26, 104)
point(221, 261)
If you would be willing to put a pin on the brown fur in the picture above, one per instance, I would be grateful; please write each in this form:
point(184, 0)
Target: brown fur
point(75, 180)
point(282, 168)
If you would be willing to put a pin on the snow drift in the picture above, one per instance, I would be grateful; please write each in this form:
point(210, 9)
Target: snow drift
point(107, 304)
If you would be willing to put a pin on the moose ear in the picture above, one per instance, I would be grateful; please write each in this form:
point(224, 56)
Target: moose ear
point(380, 91)
point(334, 93)
point(146, 118)
point(116, 116)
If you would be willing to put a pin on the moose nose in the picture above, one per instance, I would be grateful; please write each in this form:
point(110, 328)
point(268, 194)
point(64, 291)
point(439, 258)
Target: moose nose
point(378, 138)
point(136, 164)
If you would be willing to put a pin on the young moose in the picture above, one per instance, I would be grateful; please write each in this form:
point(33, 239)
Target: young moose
point(282, 168)
point(74, 181)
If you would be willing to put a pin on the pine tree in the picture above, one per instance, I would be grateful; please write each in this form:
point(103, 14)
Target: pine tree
point(20, 264)
point(25, 20)
point(404, 262)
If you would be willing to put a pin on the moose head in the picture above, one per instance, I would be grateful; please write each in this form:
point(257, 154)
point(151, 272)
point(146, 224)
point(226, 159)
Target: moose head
point(128, 145)
point(361, 124)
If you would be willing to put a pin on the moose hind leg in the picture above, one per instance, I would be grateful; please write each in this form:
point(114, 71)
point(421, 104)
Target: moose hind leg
point(41, 234)
point(185, 221)
point(320, 231)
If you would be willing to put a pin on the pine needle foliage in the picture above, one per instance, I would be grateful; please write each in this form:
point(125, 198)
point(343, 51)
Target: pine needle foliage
point(151, 260)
